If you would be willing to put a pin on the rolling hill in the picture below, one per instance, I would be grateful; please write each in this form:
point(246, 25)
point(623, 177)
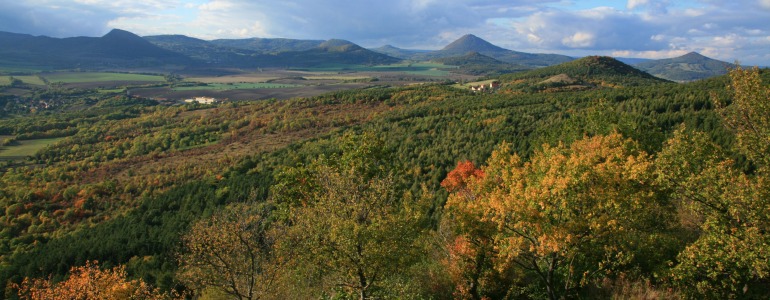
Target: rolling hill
point(398, 52)
point(472, 43)
point(584, 73)
point(116, 49)
point(264, 45)
point(331, 52)
point(474, 63)
point(203, 50)
point(688, 67)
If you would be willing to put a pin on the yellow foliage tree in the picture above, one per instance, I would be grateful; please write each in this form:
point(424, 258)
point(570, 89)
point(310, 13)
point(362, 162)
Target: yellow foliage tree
point(571, 214)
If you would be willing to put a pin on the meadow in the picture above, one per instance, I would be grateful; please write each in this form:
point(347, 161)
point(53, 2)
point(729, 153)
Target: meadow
point(24, 148)
point(30, 79)
point(423, 69)
point(234, 86)
point(81, 77)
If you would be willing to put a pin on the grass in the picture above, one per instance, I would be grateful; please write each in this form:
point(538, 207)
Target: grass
point(235, 86)
point(29, 79)
point(425, 69)
point(111, 91)
point(245, 78)
point(25, 148)
point(81, 77)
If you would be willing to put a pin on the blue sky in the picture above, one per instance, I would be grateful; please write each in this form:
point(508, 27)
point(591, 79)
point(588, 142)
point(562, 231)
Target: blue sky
point(722, 29)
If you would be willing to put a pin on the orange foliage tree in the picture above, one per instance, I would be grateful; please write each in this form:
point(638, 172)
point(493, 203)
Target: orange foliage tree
point(89, 282)
point(569, 216)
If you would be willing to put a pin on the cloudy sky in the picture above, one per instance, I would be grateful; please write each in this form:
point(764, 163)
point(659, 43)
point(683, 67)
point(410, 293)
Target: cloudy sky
point(724, 29)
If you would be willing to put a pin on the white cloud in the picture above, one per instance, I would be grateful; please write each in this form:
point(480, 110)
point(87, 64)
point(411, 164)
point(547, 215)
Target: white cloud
point(580, 40)
point(636, 3)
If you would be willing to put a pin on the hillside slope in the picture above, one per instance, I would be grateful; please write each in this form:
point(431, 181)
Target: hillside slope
point(688, 67)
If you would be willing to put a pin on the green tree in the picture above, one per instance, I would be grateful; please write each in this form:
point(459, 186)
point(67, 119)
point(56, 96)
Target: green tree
point(353, 226)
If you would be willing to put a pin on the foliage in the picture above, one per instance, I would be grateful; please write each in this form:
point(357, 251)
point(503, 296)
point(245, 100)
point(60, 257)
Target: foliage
point(233, 251)
point(568, 216)
point(91, 283)
point(729, 258)
point(352, 226)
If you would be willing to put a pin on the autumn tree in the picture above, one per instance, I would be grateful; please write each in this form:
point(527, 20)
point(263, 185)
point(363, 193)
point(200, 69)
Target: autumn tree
point(231, 251)
point(470, 255)
point(91, 283)
point(570, 215)
point(353, 226)
point(729, 257)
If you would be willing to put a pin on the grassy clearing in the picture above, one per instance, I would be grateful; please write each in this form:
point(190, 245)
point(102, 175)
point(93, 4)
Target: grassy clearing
point(235, 86)
point(81, 77)
point(30, 79)
point(245, 78)
point(5, 80)
point(336, 77)
point(25, 148)
point(111, 91)
point(425, 69)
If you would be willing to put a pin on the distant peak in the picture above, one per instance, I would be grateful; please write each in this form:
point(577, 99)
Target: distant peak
point(470, 42)
point(693, 54)
point(119, 32)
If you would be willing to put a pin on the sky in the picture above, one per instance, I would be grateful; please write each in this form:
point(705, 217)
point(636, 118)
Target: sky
point(729, 30)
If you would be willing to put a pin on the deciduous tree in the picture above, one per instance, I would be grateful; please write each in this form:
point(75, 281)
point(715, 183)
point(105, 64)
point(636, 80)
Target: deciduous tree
point(571, 214)
point(231, 251)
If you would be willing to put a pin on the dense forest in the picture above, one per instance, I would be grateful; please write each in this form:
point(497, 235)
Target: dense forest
point(583, 180)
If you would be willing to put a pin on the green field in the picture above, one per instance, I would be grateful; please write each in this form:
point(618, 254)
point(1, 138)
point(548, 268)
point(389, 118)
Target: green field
point(5, 80)
point(426, 69)
point(81, 77)
point(30, 79)
point(235, 86)
point(25, 148)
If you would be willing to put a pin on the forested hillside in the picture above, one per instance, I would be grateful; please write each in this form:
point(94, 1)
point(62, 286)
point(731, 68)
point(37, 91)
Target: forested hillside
point(585, 180)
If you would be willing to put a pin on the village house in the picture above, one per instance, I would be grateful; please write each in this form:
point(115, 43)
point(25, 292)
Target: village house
point(202, 100)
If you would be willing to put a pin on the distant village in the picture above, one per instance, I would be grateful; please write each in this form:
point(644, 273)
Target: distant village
point(485, 87)
point(202, 100)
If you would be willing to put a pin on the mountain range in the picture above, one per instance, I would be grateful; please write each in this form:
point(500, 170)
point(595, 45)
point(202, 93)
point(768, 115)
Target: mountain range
point(123, 49)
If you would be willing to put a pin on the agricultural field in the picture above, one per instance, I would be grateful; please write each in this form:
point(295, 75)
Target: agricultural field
point(24, 148)
point(234, 86)
point(30, 79)
point(423, 69)
point(85, 77)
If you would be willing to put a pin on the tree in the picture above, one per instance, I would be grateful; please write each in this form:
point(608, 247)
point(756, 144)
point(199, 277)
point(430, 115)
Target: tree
point(729, 257)
point(749, 113)
point(351, 224)
point(91, 283)
point(231, 251)
point(571, 214)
